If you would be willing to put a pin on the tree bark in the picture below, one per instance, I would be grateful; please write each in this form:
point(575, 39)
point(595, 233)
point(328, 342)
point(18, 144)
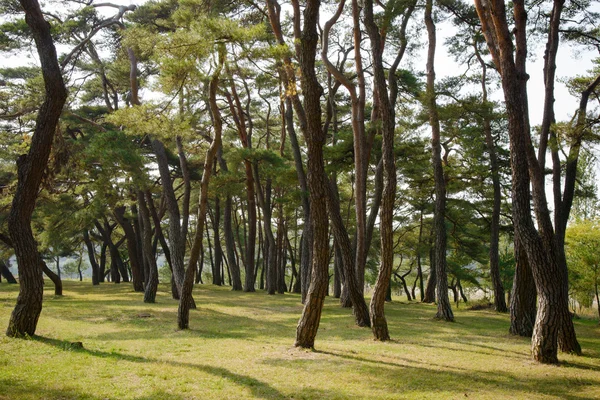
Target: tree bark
point(234, 267)
point(176, 241)
point(30, 169)
point(137, 276)
point(152, 278)
point(499, 296)
point(444, 310)
point(342, 240)
point(5, 272)
point(523, 298)
point(186, 301)
point(217, 279)
point(317, 185)
point(378, 320)
point(553, 316)
point(92, 258)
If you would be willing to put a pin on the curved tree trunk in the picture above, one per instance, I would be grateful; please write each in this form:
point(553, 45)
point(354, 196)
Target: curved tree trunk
point(386, 215)
point(55, 278)
point(317, 184)
point(342, 240)
point(186, 302)
point(5, 272)
point(540, 244)
point(30, 169)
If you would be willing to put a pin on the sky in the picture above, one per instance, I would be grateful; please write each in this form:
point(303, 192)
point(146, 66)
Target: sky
point(569, 65)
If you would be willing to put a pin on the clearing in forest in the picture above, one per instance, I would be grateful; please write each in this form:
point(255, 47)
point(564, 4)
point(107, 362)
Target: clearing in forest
point(240, 345)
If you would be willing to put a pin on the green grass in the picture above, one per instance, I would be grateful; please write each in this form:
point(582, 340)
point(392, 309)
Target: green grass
point(240, 345)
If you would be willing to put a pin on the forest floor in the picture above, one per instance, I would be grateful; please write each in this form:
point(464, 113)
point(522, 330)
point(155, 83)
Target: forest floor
point(240, 346)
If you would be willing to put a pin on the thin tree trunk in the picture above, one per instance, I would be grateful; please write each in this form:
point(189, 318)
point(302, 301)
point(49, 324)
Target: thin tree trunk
point(152, 278)
point(217, 278)
point(130, 238)
point(444, 310)
point(378, 320)
point(187, 301)
point(92, 258)
point(499, 297)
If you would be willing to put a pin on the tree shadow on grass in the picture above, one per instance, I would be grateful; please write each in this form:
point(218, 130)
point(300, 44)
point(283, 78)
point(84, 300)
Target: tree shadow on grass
point(465, 380)
point(257, 388)
point(33, 391)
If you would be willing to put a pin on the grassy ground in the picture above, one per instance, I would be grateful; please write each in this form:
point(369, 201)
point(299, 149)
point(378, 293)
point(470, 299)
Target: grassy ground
point(241, 346)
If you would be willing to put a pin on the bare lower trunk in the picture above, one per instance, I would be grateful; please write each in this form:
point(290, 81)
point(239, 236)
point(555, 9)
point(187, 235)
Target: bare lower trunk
point(152, 278)
point(523, 298)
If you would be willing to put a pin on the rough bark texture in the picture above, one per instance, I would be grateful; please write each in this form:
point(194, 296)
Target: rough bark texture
point(523, 297)
point(30, 169)
point(317, 184)
point(553, 316)
point(444, 310)
point(378, 321)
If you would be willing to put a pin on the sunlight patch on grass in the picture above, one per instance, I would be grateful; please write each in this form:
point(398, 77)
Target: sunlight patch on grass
point(240, 346)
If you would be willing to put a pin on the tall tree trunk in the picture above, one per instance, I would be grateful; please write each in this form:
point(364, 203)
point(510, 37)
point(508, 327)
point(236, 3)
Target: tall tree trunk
point(292, 102)
point(102, 265)
point(444, 310)
point(30, 169)
point(234, 267)
point(317, 184)
point(152, 278)
point(419, 268)
point(186, 301)
point(177, 243)
point(499, 297)
point(217, 278)
point(378, 320)
point(337, 272)
point(553, 317)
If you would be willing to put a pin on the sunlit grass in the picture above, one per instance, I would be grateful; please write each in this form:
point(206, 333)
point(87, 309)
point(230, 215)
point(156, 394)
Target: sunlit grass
point(240, 345)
